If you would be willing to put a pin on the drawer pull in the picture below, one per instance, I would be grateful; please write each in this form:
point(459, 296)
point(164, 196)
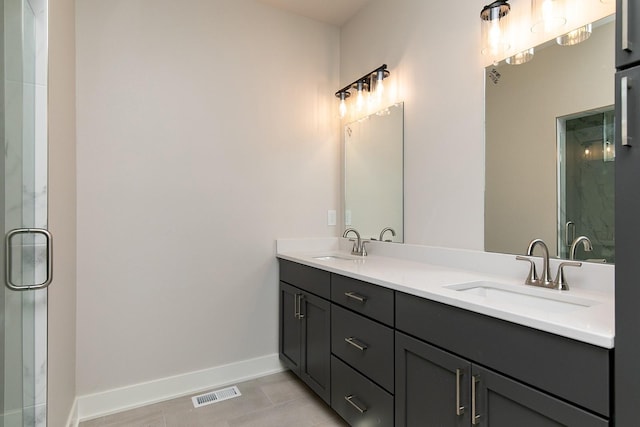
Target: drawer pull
point(475, 417)
point(362, 409)
point(357, 344)
point(356, 297)
point(459, 408)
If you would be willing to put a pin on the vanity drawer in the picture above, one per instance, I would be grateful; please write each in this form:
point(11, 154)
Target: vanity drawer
point(570, 369)
point(357, 399)
point(369, 348)
point(371, 300)
point(304, 277)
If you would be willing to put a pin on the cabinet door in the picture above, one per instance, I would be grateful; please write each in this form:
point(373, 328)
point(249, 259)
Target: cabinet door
point(502, 402)
point(290, 327)
point(627, 32)
point(627, 290)
point(432, 386)
point(316, 344)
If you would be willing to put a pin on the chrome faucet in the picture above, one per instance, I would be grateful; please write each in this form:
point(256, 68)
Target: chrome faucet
point(545, 281)
point(358, 245)
point(586, 243)
point(384, 230)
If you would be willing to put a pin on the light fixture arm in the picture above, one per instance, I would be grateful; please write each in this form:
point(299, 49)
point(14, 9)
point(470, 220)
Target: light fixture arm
point(364, 81)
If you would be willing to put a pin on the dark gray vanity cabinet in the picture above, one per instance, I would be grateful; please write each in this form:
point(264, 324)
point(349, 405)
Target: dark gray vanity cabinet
point(627, 214)
point(502, 374)
point(305, 326)
point(627, 33)
point(386, 358)
point(432, 385)
point(436, 388)
point(362, 342)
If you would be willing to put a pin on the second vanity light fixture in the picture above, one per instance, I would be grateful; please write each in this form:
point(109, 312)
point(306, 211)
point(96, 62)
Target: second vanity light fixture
point(370, 85)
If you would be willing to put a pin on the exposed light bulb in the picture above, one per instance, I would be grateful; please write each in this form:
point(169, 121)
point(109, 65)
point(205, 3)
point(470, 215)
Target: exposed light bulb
point(360, 96)
point(379, 85)
point(343, 95)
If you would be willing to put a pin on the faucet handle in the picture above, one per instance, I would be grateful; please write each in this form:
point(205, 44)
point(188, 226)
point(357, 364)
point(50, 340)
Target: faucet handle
point(560, 282)
point(363, 249)
point(532, 277)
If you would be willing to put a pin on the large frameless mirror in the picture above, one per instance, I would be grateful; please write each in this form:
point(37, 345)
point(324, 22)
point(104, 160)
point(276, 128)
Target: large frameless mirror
point(549, 159)
point(373, 174)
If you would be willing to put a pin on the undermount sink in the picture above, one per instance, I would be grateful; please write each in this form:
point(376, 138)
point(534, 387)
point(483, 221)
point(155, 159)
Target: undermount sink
point(333, 258)
point(545, 300)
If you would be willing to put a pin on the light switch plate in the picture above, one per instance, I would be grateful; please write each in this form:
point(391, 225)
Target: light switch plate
point(331, 217)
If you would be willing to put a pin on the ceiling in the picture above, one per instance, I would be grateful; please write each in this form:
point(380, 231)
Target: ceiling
point(335, 12)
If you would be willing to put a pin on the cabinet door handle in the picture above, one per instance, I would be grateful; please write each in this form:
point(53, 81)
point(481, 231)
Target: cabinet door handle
point(625, 85)
point(296, 311)
point(355, 296)
point(475, 417)
point(626, 44)
point(357, 344)
point(459, 408)
point(300, 298)
point(360, 408)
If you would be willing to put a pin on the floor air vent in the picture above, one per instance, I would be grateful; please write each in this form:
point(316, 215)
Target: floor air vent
point(215, 396)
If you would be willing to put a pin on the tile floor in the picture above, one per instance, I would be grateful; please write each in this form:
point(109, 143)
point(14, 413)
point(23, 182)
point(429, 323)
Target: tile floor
point(279, 400)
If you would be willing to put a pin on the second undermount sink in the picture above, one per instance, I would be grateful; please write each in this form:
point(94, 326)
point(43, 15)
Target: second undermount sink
point(333, 258)
point(526, 297)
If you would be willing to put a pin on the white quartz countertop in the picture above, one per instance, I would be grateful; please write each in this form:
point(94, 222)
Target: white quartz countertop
point(593, 324)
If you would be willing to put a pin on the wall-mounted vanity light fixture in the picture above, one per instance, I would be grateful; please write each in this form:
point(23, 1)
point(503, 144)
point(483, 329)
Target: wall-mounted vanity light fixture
point(495, 25)
point(576, 36)
point(366, 85)
point(547, 15)
point(521, 57)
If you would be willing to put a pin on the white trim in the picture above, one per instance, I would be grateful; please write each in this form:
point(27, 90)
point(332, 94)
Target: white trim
point(137, 395)
point(72, 420)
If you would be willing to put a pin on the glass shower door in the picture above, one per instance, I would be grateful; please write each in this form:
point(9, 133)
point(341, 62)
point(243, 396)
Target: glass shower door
point(25, 259)
point(586, 193)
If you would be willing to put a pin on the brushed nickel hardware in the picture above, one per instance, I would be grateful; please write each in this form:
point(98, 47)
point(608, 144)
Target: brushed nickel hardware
point(586, 243)
point(626, 44)
point(356, 297)
point(560, 281)
point(624, 110)
point(545, 280)
point(358, 245)
point(357, 344)
point(384, 230)
point(8, 278)
point(532, 277)
point(297, 306)
point(459, 408)
point(361, 409)
point(300, 298)
point(475, 417)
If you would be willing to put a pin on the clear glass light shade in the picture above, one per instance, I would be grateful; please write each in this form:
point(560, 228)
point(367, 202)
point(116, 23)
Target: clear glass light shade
point(548, 15)
point(521, 57)
point(377, 86)
point(576, 36)
point(495, 27)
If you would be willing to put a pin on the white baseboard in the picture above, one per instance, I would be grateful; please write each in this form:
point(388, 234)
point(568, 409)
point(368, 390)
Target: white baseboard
point(137, 395)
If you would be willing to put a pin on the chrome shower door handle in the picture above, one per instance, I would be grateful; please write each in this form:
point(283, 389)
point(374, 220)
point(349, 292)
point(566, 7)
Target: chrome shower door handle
point(8, 260)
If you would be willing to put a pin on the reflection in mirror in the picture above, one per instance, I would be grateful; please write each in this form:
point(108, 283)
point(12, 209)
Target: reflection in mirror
point(530, 113)
point(373, 174)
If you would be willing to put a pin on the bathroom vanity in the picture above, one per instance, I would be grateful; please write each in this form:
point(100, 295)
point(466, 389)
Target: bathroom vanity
point(387, 341)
